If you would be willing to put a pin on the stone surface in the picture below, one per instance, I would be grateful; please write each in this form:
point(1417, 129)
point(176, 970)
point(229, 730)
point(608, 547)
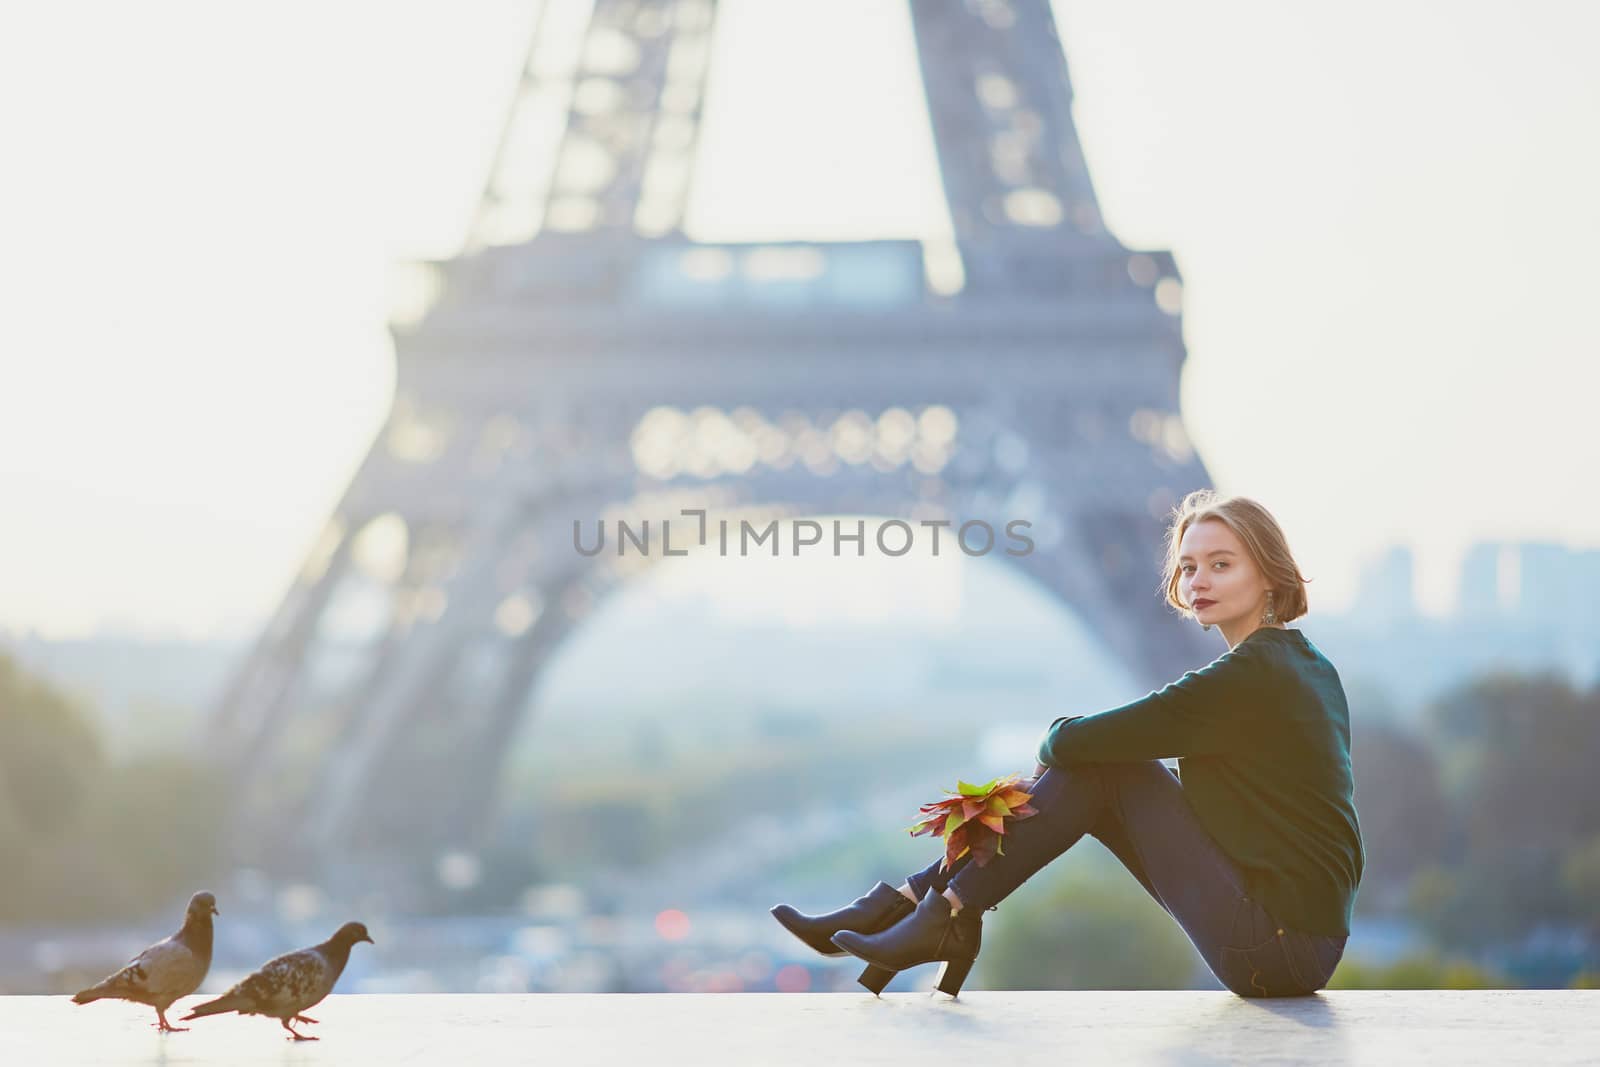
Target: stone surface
point(1010, 1028)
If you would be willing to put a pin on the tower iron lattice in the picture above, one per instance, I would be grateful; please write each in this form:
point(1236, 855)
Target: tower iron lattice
point(583, 360)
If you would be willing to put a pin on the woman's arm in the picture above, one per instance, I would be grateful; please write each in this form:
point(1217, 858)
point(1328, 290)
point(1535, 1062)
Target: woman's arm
point(1205, 711)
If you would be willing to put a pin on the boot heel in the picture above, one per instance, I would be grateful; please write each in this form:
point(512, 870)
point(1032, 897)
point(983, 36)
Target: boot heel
point(875, 977)
point(953, 972)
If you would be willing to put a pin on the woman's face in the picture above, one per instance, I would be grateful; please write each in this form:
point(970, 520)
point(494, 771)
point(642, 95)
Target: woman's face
point(1219, 581)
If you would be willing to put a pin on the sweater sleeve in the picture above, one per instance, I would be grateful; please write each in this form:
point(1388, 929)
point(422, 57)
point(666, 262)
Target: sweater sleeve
point(1202, 713)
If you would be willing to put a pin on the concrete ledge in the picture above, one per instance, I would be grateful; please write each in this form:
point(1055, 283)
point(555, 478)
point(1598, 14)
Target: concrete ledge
point(1005, 1029)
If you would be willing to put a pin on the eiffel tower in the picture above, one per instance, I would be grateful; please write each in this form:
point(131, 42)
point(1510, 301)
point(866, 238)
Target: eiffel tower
point(582, 358)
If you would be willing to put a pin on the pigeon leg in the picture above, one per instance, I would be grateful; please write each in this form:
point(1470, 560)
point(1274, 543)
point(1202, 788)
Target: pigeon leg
point(167, 1028)
point(297, 1037)
point(304, 1019)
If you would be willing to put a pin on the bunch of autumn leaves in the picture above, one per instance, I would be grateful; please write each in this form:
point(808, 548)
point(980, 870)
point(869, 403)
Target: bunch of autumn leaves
point(972, 819)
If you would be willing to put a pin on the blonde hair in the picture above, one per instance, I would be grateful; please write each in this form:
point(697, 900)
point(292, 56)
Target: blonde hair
point(1263, 539)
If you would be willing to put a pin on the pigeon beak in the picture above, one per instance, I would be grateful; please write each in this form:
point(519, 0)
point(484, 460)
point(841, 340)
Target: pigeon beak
point(369, 940)
point(215, 910)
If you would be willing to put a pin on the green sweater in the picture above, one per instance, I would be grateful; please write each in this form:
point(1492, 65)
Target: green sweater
point(1262, 737)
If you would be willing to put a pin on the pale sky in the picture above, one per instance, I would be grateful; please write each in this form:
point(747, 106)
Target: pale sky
point(1385, 214)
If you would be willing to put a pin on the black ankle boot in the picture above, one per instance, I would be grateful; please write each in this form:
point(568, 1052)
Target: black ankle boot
point(881, 907)
point(929, 935)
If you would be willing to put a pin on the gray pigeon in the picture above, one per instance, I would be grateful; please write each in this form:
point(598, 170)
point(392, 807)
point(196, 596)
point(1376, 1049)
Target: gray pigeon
point(167, 969)
point(288, 985)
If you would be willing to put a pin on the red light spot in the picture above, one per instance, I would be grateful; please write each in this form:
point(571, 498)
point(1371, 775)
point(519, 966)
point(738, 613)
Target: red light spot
point(793, 978)
point(672, 924)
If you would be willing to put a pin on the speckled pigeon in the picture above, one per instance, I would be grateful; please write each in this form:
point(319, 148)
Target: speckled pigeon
point(167, 969)
point(288, 985)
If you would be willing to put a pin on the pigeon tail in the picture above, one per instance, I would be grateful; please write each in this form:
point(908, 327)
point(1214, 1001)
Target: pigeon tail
point(230, 1002)
point(115, 986)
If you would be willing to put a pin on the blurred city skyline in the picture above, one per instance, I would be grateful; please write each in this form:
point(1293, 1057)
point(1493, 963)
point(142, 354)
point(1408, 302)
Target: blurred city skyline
point(1376, 230)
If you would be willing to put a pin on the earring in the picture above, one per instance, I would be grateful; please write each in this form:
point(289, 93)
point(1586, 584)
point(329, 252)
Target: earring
point(1270, 617)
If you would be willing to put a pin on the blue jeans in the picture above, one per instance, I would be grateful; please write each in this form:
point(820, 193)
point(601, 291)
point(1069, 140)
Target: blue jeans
point(1138, 811)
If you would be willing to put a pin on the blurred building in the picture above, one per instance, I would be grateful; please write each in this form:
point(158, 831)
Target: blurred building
point(1521, 607)
point(1386, 594)
point(1531, 582)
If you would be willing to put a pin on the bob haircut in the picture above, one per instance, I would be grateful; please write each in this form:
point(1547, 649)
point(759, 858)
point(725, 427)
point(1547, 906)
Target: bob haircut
point(1263, 539)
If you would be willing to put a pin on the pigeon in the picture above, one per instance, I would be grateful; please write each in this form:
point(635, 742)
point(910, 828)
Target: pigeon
point(286, 986)
point(167, 969)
